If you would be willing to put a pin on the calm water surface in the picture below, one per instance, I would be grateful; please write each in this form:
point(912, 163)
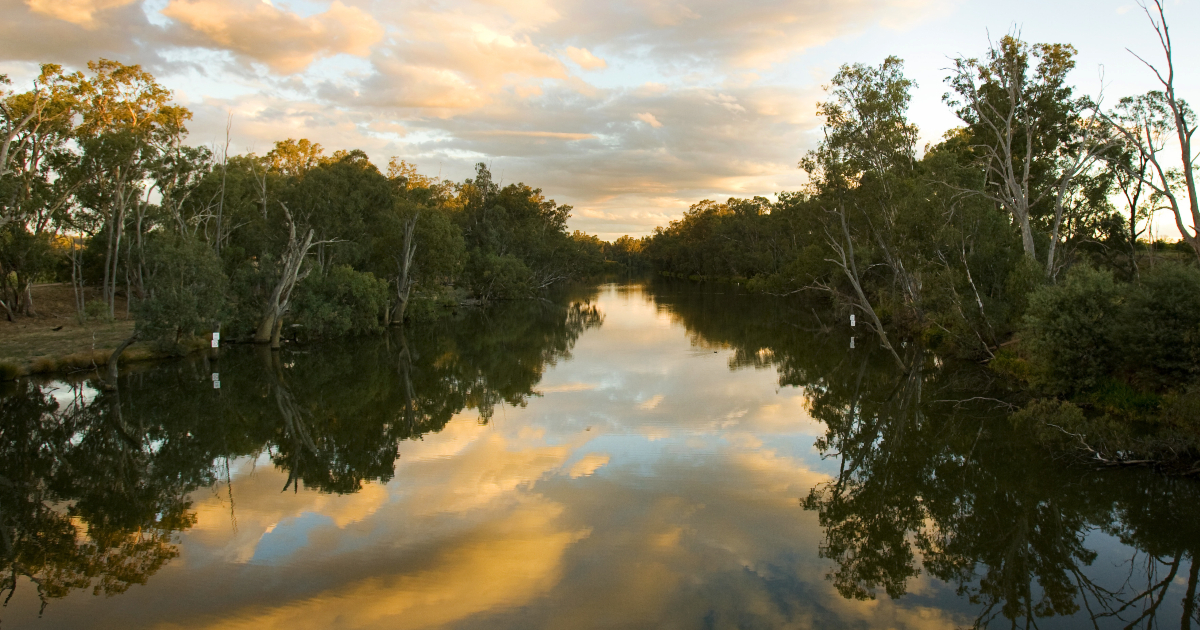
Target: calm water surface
point(643, 455)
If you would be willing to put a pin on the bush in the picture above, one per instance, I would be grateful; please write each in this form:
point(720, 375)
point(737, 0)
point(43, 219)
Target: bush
point(499, 277)
point(341, 302)
point(1070, 332)
point(185, 289)
point(96, 309)
point(9, 371)
point(1113, 344)
point(1160, 327)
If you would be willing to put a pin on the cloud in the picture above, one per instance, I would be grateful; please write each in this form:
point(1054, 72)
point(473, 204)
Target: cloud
point(281, 39)
point(704, 33)
point(585, 58)
point(540, 134)
point(81, 12)
point(73, 32)
point(452, 83)
point(652, 403)
point(649, 119)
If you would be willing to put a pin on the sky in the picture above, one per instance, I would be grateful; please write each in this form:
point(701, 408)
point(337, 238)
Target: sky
point(628, 110)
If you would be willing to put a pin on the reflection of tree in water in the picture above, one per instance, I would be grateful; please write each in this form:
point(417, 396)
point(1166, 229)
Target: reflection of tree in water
point(92, 490)
point(953, 483)
point(345, 412)
point(83, 503)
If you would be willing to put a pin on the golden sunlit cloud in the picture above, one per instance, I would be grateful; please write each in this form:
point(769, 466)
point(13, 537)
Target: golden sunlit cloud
point(81, 12)
point(567, 387)
point(649, 119)
point(541, 134)
point(281, 39)
point(585, 58)
point(652, 403)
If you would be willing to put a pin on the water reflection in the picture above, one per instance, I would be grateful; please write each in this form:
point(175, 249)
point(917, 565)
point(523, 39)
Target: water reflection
point(95, 484)
point(931, 475)
point(651, 456)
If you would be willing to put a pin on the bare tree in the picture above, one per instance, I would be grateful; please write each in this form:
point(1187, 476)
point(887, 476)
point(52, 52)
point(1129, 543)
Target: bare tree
point(404, 264)
point(291, 273)
point(1147, 122)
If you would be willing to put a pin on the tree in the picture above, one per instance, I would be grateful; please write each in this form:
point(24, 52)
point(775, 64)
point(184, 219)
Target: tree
point(1146, 123)
point(517, 240)
point(869, 147)
point(185, 288)
point(126, 118)
point(1034, 139)
point(38, 177)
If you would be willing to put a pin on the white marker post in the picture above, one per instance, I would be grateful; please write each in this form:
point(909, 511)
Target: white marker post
point(852, 343)
point(216, 340)
point(216, 380)
point(852, 320)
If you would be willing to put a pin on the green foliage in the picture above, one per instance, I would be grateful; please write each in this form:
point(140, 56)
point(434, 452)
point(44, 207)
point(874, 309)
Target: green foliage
point(96, 310)
point(627, 253)
point(1161, 326)
point(516, 239)
point(1070, 332)
point(493, 277)
point(185, 289)
point(1008, 363)
point(1115, 342)
point(340, 303)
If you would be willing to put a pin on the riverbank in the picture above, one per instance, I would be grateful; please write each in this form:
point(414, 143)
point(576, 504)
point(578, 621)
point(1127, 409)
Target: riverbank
point(54, 340)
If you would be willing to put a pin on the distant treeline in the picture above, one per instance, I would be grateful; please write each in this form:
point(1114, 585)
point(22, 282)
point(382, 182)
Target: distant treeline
point(1020, 239)
point(98, 187)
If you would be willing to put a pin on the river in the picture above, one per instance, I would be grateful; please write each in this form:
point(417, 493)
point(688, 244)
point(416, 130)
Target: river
point(645, 454)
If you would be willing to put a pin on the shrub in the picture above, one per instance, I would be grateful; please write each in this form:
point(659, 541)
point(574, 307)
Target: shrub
point(1159, 330)
point(1115, 345)
point(9, 371)
point(340, 302)
point(1070, 332)
point(96, 309)
point(185, 289)
point(499, 277)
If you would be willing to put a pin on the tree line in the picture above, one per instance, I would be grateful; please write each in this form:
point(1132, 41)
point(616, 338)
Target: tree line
point(99, 187)
point(1021, 238)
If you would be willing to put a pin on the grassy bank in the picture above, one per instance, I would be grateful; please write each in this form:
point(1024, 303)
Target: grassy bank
point(54, 340)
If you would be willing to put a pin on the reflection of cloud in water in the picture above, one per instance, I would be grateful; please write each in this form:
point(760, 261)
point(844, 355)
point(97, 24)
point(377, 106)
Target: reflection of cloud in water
point(505, 564)
point(694, 519)
point(652, 403)
point(589, 464)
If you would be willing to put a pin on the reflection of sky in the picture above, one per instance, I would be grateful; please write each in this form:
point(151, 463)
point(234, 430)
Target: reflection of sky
point(650, 486)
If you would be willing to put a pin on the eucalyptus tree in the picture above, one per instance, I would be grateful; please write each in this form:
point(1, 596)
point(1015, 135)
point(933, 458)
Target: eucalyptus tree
point(38, 180)
point(127, 117)
point(1034, 138)
point(517, 240)
point(418, 247)
point(857, 176)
